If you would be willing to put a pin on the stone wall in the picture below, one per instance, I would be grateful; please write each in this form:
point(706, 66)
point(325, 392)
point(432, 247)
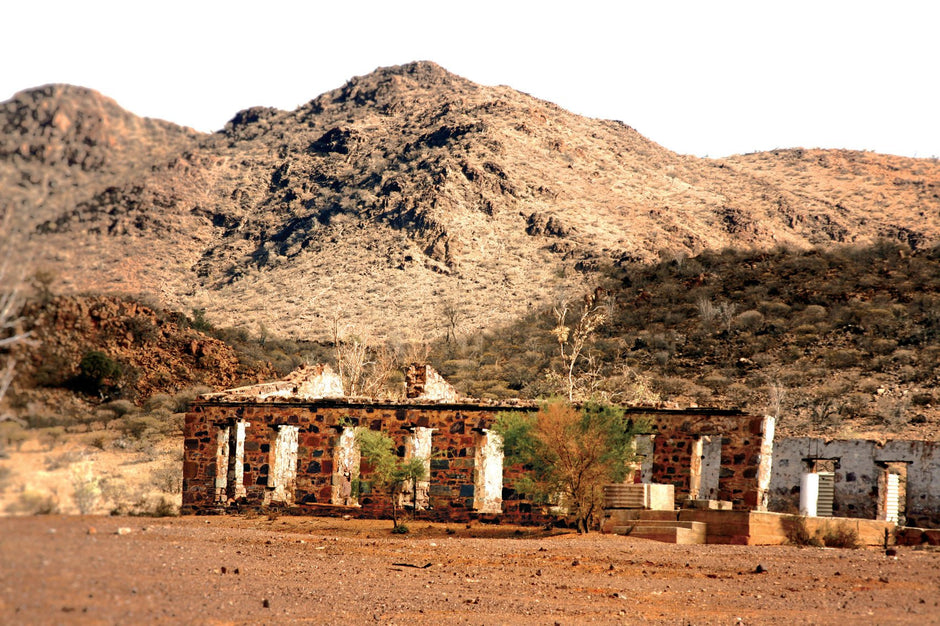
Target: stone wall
point(450, 488)
point(301, 442)
point(860, 467)
point(734, 437)
point(422, 382)
point(309, 382)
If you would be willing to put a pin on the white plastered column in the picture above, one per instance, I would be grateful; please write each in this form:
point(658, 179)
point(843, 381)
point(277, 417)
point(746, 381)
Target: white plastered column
point(282, 467)
point(488, 482)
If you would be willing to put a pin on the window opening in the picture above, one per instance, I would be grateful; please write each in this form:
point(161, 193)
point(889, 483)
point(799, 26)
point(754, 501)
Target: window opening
point(418, 444)
point(705, 467)
point(230, 463)
point(282, 467)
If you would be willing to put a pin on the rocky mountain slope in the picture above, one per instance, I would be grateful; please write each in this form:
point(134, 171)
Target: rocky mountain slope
point(405, 194)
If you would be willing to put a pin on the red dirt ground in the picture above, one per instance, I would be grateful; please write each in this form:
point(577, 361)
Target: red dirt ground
point(236, 570)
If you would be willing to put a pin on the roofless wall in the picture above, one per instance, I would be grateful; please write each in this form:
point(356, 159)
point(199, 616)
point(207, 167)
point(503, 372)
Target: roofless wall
point(279, 449)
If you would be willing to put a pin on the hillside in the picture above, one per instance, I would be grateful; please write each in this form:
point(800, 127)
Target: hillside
point(145, 352)
point(839, 341)
point(60, 145)
point(383, 206)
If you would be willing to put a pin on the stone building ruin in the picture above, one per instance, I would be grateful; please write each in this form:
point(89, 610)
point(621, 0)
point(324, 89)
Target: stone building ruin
point(896, 481)
point(290, 444)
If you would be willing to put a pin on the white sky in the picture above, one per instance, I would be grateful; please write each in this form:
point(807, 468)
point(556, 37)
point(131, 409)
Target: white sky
point(698, 77)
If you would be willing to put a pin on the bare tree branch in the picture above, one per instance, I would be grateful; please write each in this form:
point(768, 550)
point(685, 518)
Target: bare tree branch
point(11, 321)
point(571, 341)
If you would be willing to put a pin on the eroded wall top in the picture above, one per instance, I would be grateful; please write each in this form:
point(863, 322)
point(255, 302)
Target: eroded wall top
point(310, 382)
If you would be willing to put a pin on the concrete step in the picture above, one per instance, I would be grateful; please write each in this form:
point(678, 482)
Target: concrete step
point(666, 531)
point(707, 505)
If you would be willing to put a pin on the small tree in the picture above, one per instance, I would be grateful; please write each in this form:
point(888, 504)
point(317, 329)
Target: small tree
point(390, 472)
point(569, 453)
point(364, 370)
point(42, 281)
point(452, 315)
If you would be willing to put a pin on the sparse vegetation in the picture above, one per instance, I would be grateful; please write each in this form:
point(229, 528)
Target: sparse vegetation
point(833, 534)
point(798, 534)
point(841, 535)
point(822, 338)
point(32, 503)
point(568, 454)
point(390, 473)
point(86, 487)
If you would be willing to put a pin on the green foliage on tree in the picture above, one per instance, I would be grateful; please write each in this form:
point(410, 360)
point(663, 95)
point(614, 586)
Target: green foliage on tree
point(569, 454)
point(95, 368)
point(390, 473)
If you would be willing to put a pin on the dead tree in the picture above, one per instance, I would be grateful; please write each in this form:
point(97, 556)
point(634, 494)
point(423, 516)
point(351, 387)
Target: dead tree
point(572, 339)
point(11, 304)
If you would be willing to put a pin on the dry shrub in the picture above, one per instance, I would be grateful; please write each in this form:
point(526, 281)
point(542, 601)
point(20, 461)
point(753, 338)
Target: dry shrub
point(794, 527)
point(62, 461)
point(749, 320)
point(814, 313)
point(184, 398)
point(774, 308)
point(161, 508)
point(120, 408)
point(12, 434)
point(716, 381)
point(168, 477)
point(883, 346)
point(6, 473)
point(843, 358)
point(924, 398)
point(86, 486)
point(832, 535)
point(840, 535)
point(33, 503)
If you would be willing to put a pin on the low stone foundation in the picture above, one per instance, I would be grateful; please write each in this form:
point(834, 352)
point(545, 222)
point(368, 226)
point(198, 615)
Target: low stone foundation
point(754, 528)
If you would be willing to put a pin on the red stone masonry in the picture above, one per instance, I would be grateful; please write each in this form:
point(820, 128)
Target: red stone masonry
point(676, 431)
point(320, 424)
point(456, 428)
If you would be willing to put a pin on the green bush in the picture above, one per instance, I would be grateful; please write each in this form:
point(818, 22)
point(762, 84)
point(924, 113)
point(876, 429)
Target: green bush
point(199, 322)
point(95, 369)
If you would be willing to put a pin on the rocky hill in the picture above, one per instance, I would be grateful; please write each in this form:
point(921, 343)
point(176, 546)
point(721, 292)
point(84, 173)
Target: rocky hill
point(149, 351)
point(61, 145)
point(403, 195)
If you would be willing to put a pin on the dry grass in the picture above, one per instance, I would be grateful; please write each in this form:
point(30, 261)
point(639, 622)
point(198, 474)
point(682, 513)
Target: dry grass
point(75, 477)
